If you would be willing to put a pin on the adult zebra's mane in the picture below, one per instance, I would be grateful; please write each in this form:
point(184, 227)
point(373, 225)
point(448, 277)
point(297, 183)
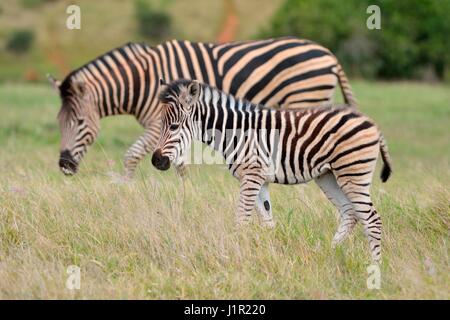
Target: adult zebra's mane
point(66, 85)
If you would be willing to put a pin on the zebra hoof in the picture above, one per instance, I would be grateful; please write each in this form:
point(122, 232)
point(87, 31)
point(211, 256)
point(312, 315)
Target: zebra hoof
point(337, 240)
point(269, 224)
point(339, 237)
point(241, 223)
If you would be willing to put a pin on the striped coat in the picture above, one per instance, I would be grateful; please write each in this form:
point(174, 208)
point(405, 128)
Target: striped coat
point(336, 147)
point(276, 72)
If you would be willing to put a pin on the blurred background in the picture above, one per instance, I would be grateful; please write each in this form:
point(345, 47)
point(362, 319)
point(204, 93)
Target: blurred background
point(412, 44)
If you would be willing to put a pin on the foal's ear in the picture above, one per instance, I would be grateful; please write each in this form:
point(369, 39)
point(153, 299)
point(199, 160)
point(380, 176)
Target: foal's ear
point(162, 85)
point(194, 91)
point(55, 83)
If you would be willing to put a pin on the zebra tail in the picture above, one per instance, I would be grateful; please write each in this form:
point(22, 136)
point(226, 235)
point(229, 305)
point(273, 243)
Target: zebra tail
point(346, 89)
point(387, 166)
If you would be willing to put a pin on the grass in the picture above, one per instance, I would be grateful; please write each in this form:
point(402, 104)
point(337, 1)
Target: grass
point(157, 238)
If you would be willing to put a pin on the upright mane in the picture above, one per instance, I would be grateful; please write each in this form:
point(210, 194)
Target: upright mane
point(174, 88)
point(66, 84)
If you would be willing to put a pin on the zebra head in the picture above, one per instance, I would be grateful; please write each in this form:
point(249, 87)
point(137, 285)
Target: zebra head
point(79, 122)
point(178, 100)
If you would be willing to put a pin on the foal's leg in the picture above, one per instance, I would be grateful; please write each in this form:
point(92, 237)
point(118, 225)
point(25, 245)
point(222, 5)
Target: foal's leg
point(355, 183)
point(264, 207)
point(250, 188)
point(370, 219)
point(327, 183)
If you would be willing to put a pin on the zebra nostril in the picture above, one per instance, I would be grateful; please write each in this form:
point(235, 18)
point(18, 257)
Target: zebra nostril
point(67, 163)
point(156, 158)
point(165, 163)
point(65, 154)
point(159, 161)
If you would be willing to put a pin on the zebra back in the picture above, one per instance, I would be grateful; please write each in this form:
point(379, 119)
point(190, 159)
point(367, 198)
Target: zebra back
point(282, 72)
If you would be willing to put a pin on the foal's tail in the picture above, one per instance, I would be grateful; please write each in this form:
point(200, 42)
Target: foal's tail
point(387, 166)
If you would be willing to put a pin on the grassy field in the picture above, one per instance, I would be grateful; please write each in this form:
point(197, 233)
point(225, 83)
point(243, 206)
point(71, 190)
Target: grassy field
point(157, 238)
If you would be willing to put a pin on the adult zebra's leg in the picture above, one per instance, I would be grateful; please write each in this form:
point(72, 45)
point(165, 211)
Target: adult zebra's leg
point(250, 188)
point(327, 183)
point(264, 207)
point(143, 145)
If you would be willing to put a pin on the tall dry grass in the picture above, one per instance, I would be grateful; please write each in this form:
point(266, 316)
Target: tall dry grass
point(159, 238)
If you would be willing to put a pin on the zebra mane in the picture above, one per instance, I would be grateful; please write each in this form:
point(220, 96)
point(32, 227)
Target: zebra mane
point(66, 84)
point(174, 88)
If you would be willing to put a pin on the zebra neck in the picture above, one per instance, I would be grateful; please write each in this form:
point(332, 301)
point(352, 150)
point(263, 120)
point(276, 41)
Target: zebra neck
point(219, 118)
point(123, 81)
point(105, 103)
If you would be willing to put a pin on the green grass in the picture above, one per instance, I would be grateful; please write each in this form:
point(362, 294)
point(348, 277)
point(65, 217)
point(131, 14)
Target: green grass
point(155, 238)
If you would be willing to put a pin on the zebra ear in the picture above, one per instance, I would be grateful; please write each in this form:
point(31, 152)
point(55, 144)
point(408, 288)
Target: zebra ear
point(79, 87)
point(162, 85)
point(194, 91)
point(55, 83)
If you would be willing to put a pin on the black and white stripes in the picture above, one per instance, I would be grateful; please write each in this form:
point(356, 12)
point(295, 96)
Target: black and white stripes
point(277, 72)
point(335, 146)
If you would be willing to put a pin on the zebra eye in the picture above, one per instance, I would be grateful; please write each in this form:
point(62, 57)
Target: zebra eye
point(80, 122)
point(174, 126)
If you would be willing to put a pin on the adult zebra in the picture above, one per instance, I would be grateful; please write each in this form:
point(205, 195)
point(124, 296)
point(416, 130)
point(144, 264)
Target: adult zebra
point(337, 147)
point(284, 72)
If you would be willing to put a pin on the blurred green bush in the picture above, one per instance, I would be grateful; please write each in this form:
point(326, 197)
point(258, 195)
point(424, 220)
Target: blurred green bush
point(153, 23)
point(413, 41)
point(20, 41)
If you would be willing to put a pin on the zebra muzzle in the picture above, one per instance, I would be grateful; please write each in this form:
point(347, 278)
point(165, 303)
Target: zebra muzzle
point(67, 163)
point(159, 161)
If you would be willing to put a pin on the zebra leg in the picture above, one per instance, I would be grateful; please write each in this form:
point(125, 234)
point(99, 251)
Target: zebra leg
point(143, 145)
point(327, 183)
point(180, 167)
point(250, 188)
point(371, 221)
point(264, 207)
point(372, 229)
point(181, 170)
point(357, 191)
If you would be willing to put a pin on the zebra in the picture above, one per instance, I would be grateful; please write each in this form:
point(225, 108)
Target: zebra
point(336, 146)
point(283, 71)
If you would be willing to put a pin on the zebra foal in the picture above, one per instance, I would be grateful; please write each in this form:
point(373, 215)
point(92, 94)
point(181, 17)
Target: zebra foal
point(335, 146)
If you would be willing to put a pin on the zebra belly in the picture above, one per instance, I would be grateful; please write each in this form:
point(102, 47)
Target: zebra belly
point(287, 175)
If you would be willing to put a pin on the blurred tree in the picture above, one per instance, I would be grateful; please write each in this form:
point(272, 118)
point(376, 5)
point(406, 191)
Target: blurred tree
point(413, 39)
point(153, 23)
point(20, 41)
